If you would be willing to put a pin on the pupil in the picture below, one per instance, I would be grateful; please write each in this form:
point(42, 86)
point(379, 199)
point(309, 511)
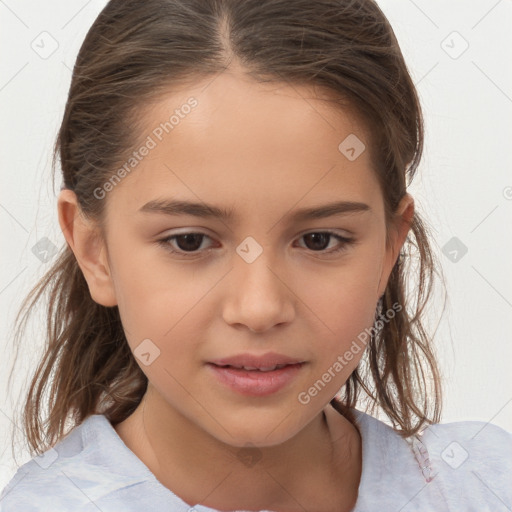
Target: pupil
point(316, 236)
point(189, 238)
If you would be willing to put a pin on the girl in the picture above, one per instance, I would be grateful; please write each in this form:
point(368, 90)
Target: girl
point(279, 136)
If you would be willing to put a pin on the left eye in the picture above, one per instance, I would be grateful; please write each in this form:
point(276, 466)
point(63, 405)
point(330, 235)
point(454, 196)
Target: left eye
point(191, 242)
point(320, 237)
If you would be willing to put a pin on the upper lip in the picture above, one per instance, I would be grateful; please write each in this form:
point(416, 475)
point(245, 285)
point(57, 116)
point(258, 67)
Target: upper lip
point(268, 360)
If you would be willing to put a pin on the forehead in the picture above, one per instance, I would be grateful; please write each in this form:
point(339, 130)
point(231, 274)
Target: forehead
point(233, 141)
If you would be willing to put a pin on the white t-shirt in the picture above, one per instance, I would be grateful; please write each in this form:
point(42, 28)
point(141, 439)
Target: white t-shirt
point(467, 466)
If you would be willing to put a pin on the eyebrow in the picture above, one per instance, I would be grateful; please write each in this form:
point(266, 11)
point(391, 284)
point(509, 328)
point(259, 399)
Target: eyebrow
point(203, 210)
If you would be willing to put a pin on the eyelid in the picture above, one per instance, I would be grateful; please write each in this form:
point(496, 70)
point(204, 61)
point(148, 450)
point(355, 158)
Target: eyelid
point(333, 231)
point(344, 233)
point(345, 242)
point(165, 242)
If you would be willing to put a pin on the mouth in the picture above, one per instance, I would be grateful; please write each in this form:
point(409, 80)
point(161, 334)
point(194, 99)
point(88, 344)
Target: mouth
point(256, 380)
point(254, 368)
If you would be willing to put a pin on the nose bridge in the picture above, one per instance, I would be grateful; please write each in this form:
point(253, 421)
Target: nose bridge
point(255, 266)
point(258, 297)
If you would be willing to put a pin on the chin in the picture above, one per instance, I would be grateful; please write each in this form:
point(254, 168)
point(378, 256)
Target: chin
point(258, 432)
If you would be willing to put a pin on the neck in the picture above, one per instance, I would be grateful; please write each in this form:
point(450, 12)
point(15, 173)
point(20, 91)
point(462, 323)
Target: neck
point(320, 466)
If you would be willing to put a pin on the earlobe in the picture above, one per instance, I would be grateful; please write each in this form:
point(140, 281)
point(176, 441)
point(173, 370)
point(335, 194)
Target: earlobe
point(89, 248)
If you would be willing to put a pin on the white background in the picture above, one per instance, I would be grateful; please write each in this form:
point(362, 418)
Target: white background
point(464, 186)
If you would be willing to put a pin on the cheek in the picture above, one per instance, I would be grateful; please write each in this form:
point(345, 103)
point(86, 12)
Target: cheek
point(341, 331)
point(340, 309)
point(146, 299)
point(157, 298)
point(341, 301)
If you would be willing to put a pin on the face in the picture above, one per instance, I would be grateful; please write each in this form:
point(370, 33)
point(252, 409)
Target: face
point(262, 280)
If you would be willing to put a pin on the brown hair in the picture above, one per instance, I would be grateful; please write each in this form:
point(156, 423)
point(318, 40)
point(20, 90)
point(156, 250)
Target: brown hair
point(131, 55)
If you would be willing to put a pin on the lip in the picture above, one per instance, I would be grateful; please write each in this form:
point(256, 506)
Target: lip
point(255, 382)
point(266, 360)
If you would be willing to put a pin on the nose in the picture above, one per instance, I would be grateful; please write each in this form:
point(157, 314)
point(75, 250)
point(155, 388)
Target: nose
point(259, 296)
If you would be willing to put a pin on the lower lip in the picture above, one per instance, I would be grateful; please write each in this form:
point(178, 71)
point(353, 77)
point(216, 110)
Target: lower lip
point(255, 382)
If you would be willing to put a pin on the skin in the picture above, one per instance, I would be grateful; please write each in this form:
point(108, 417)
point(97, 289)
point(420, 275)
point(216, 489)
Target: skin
point(263, 150)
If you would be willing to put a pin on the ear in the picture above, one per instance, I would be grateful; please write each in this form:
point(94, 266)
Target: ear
point(85, 240)
point(397, 235)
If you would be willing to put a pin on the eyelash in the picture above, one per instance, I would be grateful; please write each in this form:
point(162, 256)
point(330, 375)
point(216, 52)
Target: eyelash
point(345, 243)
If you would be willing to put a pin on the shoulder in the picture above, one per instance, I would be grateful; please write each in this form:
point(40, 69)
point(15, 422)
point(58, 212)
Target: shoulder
point(452, 466)
point(72, 475)
point(471, 461)
point(470, 439)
